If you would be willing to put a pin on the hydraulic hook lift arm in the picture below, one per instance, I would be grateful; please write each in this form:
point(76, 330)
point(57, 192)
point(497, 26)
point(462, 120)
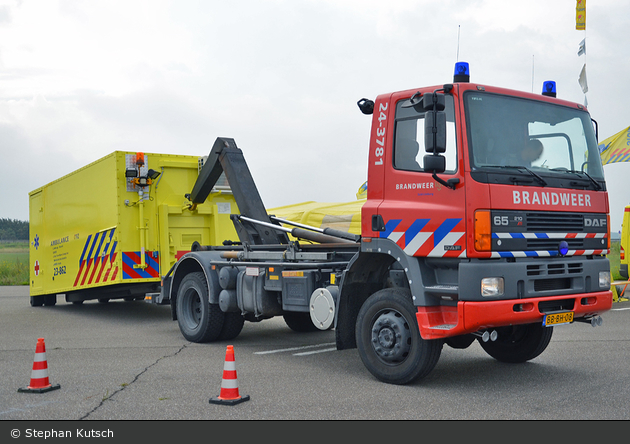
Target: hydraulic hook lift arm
point(226, 157)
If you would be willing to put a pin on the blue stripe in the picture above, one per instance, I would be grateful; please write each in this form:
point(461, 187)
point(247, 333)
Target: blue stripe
point(87, 242)
point(446, 227)
point(390, 226)
point(92, 248)
point(414, 229)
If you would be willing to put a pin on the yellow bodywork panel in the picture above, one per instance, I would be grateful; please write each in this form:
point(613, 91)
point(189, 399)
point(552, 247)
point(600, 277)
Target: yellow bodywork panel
point(96, 227)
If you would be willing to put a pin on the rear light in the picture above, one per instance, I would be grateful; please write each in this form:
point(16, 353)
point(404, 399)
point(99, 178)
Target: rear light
point(483, 231)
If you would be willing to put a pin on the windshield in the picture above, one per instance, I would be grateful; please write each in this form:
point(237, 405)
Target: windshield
point(531, 137)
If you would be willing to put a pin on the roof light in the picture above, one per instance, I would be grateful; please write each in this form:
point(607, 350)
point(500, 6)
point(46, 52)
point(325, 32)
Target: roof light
point(462, 72)
point(549, 88)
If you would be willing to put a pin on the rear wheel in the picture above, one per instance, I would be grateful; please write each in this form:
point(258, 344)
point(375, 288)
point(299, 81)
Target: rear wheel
point(300, 322)
point(232, 325)
point(199, 320)
point(389, 341)
point(37, 301)
point(518, 343)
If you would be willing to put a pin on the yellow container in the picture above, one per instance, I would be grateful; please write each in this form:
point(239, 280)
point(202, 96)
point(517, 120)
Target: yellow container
point(99, 232)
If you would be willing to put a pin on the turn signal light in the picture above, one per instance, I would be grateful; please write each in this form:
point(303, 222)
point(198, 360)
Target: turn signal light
point(483, 231)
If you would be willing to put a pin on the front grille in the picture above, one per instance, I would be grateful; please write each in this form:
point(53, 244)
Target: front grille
point(555, 268)
point(552, 284)
point(518, 231)
point(554, 222)
point(552, 244)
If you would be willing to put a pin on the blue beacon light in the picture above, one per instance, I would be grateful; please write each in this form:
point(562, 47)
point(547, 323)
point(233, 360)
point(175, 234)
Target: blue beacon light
point(549, 88)
point(462, 72)
point(563, 248)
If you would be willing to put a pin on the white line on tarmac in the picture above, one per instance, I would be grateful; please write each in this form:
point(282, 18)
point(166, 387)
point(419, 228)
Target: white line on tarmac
point(620, 309)
point(292, 349)
point(316, 351)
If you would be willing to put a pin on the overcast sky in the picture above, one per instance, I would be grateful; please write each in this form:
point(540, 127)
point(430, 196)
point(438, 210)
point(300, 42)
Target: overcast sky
point(80, 79)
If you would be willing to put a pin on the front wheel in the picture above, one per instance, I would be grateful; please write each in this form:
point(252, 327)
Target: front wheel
point(389, 341)
point(199, 320)
point(519, 343)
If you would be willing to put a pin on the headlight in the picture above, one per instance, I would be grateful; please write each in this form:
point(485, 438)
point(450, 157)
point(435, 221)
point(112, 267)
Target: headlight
point(493, 286)
point(604, 279)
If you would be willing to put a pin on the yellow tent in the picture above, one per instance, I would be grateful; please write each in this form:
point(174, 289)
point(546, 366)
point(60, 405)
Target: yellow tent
point(345, 216)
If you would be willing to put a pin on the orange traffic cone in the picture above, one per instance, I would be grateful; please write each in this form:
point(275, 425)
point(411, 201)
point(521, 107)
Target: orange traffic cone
point(229, 386)
point(39, 376)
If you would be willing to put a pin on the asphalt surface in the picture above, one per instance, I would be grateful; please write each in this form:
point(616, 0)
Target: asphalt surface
point(128, 361)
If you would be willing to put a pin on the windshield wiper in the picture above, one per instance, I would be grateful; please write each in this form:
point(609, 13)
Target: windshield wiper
point(593, 181)
point(542, 181)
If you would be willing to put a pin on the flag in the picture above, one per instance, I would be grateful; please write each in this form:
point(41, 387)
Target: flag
point(582, 80)
point(580, 15)
point(582, 47)
point(616, 148)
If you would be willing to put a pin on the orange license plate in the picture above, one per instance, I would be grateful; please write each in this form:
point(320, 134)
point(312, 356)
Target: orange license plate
point(558, 318)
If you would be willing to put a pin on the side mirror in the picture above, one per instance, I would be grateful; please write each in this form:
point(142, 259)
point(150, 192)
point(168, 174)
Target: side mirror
point(434, 163)
point(435, 132)
point(366, 106)
point(433, 101)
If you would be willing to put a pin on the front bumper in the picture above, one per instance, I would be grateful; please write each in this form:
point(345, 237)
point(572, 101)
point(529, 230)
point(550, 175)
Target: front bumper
point(472, 316)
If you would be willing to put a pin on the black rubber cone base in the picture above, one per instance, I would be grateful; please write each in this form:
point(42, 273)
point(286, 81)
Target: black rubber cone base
point(229, 401)
point(39, 390)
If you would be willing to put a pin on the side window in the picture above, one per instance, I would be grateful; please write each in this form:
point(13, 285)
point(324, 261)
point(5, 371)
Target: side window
point(409, 138)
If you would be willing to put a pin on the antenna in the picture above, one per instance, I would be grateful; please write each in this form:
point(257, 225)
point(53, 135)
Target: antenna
point(458, 29)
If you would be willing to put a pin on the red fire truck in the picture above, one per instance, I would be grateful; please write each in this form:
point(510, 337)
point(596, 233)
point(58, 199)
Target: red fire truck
point(486, 219)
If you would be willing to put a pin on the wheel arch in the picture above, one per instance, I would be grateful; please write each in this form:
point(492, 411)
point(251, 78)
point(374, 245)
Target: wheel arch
point(366, 274)
point(191, 263)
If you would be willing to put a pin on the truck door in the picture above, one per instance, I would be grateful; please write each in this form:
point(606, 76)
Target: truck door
point(422, 215)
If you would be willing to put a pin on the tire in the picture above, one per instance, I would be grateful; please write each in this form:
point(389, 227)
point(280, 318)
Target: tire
point(199, 320)
point(518, 343)
point(232, 325)
point(460, 342)
point(389, 341)
point(37, 301)
point(300, 322)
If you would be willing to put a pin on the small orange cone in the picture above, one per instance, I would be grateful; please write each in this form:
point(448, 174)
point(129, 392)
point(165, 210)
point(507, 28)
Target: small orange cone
point(39, 376)
point(229, 386)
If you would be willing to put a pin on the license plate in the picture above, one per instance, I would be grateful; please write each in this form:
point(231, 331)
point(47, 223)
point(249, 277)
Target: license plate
point(558, 318)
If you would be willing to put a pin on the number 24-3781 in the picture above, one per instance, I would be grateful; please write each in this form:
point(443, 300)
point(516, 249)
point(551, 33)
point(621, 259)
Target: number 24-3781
point(379, 151)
